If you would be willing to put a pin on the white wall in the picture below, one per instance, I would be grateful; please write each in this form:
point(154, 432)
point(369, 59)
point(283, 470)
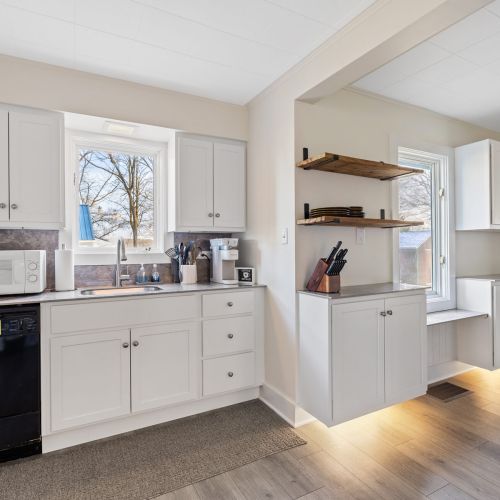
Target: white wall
point(359, 125)
point(39, 85)
point(384, 31)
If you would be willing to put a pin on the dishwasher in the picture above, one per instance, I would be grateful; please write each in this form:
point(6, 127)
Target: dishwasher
point(20, 421)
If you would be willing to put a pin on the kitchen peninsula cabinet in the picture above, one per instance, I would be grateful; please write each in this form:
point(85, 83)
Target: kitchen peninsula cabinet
point(360, 353)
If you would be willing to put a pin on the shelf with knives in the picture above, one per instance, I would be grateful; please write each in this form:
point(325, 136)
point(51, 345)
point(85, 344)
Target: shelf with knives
point(326, 275)
point(329, 220)
point(340, 164)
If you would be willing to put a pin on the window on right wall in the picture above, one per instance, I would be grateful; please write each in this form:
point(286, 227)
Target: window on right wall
point(423, 254)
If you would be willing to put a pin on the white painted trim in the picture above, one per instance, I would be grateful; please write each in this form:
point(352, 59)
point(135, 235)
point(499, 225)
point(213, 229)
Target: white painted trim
point(60, 440)
point(284, 406)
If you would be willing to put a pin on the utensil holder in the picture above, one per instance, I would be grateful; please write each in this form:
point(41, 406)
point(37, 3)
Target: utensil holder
point(174, 270)
point(321, 282)
point(188, 274)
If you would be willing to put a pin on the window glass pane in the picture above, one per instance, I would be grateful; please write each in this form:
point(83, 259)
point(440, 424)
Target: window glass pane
point(415, 243)
point(116, 198)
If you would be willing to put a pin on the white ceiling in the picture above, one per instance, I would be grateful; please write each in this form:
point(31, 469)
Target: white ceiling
point(223, 49)
point(455, 73)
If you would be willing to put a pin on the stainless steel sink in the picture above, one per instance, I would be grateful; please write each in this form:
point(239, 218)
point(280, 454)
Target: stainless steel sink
point(120, 291)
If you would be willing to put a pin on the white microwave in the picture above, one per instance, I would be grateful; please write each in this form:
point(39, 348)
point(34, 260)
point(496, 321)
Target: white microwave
point(22, 271)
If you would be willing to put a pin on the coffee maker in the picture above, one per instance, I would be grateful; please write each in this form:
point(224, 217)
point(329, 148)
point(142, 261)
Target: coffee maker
point(224, 257)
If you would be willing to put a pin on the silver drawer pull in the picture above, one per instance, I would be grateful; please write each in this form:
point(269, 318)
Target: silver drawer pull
point(210, 214)
point(13, 206)
point(125, 345)
point(230, 304)
point(217, 214)
point(230, 335)
point(230, 374)
point(135, 343)
point(3, 205)
point(389, 312)
point(383, 313)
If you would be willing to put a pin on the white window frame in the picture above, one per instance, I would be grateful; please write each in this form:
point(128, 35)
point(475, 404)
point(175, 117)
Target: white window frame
point(443, 297)
point(76, 139)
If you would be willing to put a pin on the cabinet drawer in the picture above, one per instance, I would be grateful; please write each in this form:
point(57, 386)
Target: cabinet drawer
point(228, 335)
point(228, 373)
point(103, 314)
point(224, 304)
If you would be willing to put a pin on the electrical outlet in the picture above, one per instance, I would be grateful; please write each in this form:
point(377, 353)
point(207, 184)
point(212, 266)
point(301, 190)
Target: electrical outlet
point(360, 236)
point(284, 236)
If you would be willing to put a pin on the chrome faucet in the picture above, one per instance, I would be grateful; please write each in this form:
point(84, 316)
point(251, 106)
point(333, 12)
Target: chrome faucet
point(121, 256)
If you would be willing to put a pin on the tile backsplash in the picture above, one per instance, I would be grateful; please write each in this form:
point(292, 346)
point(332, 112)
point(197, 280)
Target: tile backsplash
point(99, 275)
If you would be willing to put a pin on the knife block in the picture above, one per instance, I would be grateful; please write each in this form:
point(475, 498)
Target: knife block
point(321, 282)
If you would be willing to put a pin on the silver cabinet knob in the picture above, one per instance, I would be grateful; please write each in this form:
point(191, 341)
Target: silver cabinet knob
point(230, 374)
point(383, 313)
point(125, 345)
point(389, 312)
point(13, 206)
point(3, 205)
point(230, 304)
point(230, 335)
point(210, 214)
point(135, 343)
point(217, 215)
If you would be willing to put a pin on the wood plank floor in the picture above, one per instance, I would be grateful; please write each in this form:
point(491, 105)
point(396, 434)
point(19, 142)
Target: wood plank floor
point(423, 448)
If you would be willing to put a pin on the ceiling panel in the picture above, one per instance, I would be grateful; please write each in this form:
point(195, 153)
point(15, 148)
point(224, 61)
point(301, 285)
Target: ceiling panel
point(223, 49)
point(459, 77)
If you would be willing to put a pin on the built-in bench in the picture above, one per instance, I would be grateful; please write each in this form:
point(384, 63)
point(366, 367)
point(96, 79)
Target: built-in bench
point(435, 318)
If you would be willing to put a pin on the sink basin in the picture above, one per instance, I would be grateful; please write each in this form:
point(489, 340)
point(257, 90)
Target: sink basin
point(120, 291)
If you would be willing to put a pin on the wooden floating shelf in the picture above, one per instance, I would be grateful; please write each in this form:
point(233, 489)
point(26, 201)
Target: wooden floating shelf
point(329, 162)
point(328, 220)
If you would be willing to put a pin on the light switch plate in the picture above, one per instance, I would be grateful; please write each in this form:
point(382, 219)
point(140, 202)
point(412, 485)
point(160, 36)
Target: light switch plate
point(360, 236)
point(284, 236)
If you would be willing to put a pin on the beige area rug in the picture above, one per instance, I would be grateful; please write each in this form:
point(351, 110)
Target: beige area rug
point(147, 463)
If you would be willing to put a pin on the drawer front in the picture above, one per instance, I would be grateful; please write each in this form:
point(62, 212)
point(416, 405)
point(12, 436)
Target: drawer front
point(104, 313)
point(228, 335)
point(229, 373)
point(225, 304)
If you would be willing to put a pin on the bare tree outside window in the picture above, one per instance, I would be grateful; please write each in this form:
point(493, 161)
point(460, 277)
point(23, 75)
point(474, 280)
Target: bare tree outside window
point(415, 243)
point(118, 189)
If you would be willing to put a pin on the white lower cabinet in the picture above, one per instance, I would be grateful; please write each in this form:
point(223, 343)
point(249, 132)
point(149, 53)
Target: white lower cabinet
point(114, 365)
point(89, 378)
point(358, 356)
point(165, 365)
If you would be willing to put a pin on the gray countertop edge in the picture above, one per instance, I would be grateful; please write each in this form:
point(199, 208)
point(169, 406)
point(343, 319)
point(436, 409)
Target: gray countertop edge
point(349, 292)
point(76, 294)
point(485, 277)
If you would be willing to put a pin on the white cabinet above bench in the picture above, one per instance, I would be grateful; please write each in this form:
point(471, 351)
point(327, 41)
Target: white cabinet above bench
point(359, 354)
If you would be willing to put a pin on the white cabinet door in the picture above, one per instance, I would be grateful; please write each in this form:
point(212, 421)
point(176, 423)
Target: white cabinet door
point(195, 189)
point(90, 378)
point(35, 169)
point(405, 348)
point(165, 365)
point(358, 359)
point(495, 182)
point(4, 165)
point(229, 186)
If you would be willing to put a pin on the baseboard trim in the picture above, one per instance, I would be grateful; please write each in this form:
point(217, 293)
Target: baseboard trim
point(284, 406)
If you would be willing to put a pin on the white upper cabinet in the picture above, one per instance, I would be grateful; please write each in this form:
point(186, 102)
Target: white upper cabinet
point(4, 166)
point(31, 168)
point(477, 180)
point(207, 185)
point(229, 186)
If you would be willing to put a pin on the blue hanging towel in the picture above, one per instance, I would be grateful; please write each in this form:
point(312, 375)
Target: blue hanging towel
point(86, 229)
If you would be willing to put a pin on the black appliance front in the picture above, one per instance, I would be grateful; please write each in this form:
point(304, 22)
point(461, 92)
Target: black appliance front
point(20, 421)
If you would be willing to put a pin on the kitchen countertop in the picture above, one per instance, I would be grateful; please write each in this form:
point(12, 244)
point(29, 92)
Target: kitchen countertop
point(347, 292)
point(39, 298)
point(486, 277)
